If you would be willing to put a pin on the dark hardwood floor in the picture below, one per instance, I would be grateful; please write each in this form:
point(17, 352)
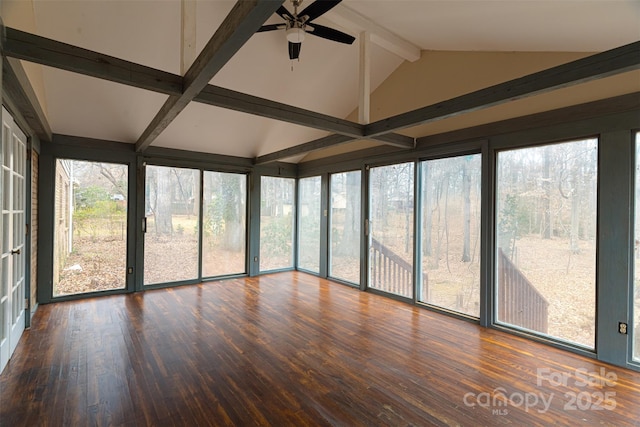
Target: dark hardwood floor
point(292, 349)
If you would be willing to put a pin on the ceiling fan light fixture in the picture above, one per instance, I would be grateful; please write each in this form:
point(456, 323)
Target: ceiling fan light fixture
point(295, 35)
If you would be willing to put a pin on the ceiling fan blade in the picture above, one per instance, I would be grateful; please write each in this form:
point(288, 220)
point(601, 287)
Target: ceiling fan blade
point(317, 8)
point(271, 27)
point(330, 34)
point(284, 13)
point(294, 50)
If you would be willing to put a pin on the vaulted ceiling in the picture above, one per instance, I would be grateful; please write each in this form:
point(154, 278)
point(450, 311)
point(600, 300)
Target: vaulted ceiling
point(324, 80)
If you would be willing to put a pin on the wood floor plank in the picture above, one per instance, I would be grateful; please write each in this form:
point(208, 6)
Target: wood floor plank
point(290, 349)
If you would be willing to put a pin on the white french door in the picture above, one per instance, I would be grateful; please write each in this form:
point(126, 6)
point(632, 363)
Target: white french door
point(12, 223)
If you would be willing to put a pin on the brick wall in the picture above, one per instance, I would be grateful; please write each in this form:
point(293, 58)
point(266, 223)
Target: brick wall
point(34, 228)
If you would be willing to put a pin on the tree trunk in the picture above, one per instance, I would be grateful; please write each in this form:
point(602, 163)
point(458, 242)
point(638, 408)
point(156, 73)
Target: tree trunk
point(350, 243)
point(428, 211)
point(408, 217)
point(163, 217)
point(466, 195)
point(546, 204)
point(233, 212)
point(575, 212)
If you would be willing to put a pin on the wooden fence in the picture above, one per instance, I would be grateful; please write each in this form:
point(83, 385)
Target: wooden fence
point(519, 302)
point(392, 273)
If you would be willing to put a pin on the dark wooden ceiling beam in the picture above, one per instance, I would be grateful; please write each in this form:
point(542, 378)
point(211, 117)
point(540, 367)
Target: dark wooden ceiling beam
point(41, 50)
point(605, 64)
point(394, 139)
point(230, 99)
point(16, 85)
point(308, 147)
point(241, 23)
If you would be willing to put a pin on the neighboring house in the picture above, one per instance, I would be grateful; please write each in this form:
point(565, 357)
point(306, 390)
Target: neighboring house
point(64, 215)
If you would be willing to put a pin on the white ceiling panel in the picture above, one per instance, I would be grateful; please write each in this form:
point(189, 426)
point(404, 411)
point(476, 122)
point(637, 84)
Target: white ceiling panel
point(221, 131)
point(508, 25)
point(94, 108)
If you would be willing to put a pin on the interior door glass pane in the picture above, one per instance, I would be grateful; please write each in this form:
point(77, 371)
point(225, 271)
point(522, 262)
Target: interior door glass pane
point(450, 241)
point(4, 276)
point(6, 195)
point(391, 229)
point(6, 224)
point(276, 223)
point(636, 287)
point(309, 224)
point(90, 228)
point(344, 245)
point(224, 223)
point(546, 199)
point(172, 203)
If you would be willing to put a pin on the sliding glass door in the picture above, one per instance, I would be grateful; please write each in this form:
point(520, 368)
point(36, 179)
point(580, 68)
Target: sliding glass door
point(391, 229)
point(224, 218)
point(546, 204)
point(171, 247)
point(344, 226)
point(90, 227)
point(309, 216)
point(277, 217)
point(450, 233)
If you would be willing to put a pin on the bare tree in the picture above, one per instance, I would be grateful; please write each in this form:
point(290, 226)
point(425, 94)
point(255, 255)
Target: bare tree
point(350, 242)
point(466, 222)
point(546, 202)
point(427, 209)
point(163, 212)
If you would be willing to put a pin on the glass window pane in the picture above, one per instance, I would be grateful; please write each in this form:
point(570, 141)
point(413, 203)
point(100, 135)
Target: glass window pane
point(90, 227)
point(391, 229)
point(172, 197)
point(224, 223)
point(546, 201)
point(636, 288)
point(450, 257)
point(276, 223)
point(309, 209)
point(344, 238)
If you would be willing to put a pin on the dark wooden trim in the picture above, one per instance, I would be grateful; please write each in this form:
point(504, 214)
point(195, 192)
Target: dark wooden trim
point(241, 23)
point(616, 175)
point(317, 144)
point(230, 99)
point(237, 101)
point(278, 169)
point(91, 143)
point(392, 140)
point(618, 104)
point(41, 50)
point(582, 112)
point(605, 64)
point(395, 140)
point(198, 160)
point(17, 88)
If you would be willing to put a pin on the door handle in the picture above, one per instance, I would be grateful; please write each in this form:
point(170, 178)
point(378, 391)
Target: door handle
point(15, 252)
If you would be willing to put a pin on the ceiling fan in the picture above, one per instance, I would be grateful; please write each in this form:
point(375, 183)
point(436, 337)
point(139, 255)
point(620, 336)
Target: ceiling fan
point(297, 25)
